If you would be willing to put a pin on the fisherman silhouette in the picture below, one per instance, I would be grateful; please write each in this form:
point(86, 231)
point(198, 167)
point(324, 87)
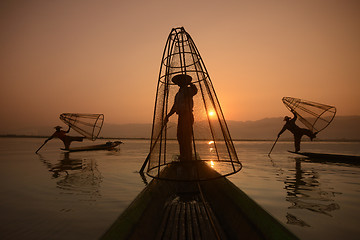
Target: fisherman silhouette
point(296, 130)
point(61, 134)
point(183, 107)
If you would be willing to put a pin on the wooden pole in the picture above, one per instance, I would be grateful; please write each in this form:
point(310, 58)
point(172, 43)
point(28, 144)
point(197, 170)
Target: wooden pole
point(148, 156)
point(273, 146)
point(41, 146)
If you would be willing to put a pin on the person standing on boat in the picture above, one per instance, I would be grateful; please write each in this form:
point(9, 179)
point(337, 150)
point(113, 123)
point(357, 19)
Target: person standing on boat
point(61, 134)
point(183, 107)
point(296, 130)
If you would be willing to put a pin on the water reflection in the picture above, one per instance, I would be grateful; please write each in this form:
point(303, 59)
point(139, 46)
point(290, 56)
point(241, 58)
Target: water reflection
point(293, 220)
point(304, 192)
point(75, 175)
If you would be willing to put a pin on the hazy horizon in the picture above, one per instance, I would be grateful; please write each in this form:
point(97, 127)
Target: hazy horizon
point(58, 122)
point(342, 128)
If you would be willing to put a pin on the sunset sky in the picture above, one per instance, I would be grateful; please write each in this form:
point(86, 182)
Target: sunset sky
point(85, 56)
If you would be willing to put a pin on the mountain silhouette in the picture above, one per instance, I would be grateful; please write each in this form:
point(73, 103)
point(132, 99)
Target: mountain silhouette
point(342, 128)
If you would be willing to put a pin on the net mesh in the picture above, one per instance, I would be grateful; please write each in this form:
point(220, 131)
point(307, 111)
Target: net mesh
point(315, 116)
point(88, 125)
point(211, 140)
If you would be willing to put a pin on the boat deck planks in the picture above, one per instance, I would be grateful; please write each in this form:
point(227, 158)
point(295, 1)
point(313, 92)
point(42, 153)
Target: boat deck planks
point(186, 220)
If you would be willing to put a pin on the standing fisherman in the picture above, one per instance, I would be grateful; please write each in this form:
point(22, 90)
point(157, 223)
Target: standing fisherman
point(296, 130)
point(183, 107)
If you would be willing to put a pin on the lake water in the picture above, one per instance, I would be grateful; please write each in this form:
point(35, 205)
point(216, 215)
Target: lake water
point(56, 195)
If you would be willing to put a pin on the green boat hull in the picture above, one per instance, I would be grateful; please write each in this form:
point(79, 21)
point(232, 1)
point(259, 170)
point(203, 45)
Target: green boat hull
point(214, 209)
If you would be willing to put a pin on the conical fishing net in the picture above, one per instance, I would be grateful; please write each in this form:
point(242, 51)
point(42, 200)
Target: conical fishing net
point(315, 116)
point(209, 136)
point(88, 125)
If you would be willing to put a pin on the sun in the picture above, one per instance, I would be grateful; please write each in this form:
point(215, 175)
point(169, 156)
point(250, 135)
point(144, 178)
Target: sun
point(211, 113)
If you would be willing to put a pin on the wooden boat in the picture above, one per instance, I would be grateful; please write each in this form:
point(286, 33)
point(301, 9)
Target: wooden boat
point(326, 157)
point(213, 209)
point(106, 146)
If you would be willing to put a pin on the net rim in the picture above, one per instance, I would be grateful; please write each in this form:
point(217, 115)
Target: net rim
point(197, 162)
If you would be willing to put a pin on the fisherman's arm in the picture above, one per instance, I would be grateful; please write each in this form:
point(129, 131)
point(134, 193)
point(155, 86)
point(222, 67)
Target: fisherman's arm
point(295, 116)
point(68, 130)
point(172, 111)
point(193, 88)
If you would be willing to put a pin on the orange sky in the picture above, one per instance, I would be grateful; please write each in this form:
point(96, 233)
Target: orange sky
point(104, 56)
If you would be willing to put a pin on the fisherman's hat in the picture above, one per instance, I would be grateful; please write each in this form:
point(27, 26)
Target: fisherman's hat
point(58, 127)
point(181, 79)
point(286, 118)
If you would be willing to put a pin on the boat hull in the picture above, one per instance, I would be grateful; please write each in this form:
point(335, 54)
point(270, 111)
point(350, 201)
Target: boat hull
point(214, 209)
point(326, 157)
point(106, 146)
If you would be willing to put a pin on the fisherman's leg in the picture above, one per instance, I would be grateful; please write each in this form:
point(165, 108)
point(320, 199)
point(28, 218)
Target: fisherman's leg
point(181, 148)
point(185, 148)
point(180, 138)
point(297, 140)
point(68, 140)
point(184, 135)
point(78, 139)
point(188, 146)
point(189, 136)
point(309, 133)
point(67, 143)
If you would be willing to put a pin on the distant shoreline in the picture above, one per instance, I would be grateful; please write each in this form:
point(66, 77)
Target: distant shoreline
point(237, 140)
